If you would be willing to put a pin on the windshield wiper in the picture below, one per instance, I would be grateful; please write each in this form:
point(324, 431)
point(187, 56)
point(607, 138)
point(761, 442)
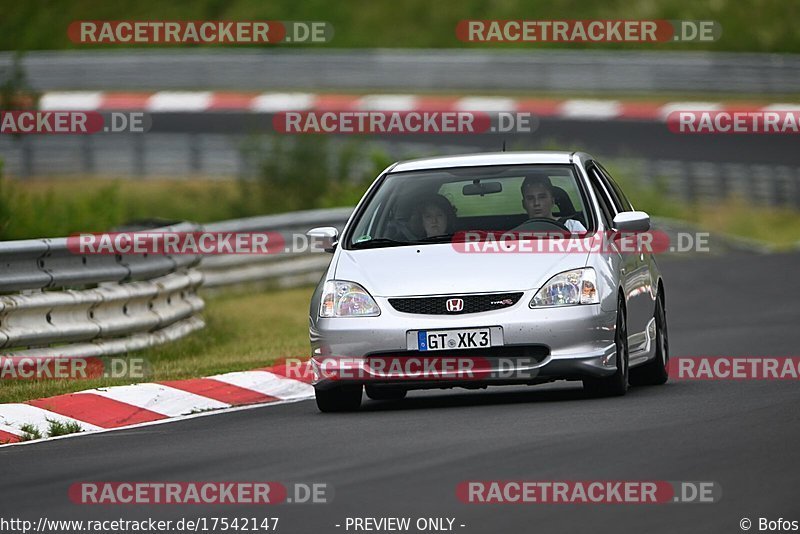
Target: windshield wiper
point(381, 242)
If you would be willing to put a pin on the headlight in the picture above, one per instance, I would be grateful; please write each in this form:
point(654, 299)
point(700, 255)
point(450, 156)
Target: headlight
point(578, 286)
point(346, 299)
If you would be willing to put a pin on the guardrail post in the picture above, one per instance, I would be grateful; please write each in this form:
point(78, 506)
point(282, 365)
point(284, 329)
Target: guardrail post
point(139, 156)
point(87, 153)
point(796, 179)
point(723, 180)
point(26, 156)
point(761, 184)
point(195, 153)
point(782, 186)
point(690, 179)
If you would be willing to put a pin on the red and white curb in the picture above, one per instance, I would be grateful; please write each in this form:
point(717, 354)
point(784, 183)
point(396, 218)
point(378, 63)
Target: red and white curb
point(273, 102)
point(148, 403)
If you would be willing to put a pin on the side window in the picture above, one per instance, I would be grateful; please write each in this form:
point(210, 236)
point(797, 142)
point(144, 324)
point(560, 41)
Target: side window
point(626, 204)
point(605, 186)
point(602, 199)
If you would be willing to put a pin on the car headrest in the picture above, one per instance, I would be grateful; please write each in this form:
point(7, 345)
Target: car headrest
point(564, 203)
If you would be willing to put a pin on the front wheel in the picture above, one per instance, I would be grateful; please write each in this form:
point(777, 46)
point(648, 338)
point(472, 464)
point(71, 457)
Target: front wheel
point(617, 384)
point(339, 398)
point(656, 371)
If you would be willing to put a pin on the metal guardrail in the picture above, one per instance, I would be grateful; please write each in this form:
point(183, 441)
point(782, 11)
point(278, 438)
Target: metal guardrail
point(54, 302)
point(418, 69)
point(284, 269)
point(49, 264)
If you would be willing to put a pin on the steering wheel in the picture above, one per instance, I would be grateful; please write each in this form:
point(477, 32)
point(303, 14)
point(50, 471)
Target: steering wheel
point(401, 229)
point(536, 220)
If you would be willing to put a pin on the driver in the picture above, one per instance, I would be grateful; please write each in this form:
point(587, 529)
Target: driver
point(538, 201)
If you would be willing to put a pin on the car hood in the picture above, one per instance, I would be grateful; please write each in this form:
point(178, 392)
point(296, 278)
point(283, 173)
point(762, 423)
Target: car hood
point(438, 269)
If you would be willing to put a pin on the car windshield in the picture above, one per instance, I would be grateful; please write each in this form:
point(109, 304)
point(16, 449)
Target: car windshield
point(431, 206)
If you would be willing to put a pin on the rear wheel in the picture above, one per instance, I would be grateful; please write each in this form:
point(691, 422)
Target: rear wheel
point(385, 393)
point(616, 384)
point(339, 398)
point(656, 371)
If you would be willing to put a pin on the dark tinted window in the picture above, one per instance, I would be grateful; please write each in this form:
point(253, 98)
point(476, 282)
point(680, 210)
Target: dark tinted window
point(626, 204)
point(606, 186)
point(602, 198)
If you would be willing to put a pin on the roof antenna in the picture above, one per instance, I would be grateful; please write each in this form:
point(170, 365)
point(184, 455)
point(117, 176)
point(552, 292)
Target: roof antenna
point(504, 145)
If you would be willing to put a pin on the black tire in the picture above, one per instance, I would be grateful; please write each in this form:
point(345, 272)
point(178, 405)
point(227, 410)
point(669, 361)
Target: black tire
point(385, 393)
point(615, 385)
point(656, 371)
point(338, 398)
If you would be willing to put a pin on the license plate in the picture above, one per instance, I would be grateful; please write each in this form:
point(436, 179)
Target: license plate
point(473, 338)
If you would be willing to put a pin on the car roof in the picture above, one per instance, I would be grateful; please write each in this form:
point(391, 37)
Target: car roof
point(488, 158)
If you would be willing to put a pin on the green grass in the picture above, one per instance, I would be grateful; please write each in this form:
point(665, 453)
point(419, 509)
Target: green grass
point(290, 179)
point(748, 25)
point(776, 226)
point(30, 432)
point(54, 428)
point(244, 331)
point(57, 428)
point(58, 207)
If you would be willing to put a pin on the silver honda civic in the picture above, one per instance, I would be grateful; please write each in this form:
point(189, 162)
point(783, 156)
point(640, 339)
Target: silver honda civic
point(488, 269)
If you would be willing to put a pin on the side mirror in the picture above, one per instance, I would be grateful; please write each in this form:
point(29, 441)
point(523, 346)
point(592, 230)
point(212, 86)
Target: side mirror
point(324, 236)
point(632, 221)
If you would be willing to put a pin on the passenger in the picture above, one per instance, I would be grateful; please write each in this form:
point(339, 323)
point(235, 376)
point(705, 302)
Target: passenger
point(434, 216)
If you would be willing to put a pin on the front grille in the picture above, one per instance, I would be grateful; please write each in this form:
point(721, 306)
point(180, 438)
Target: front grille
point(438, 305)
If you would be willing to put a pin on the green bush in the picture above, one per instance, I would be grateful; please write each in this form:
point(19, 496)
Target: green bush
point(15, 91)
point(747, 25)
point(307, 172)
point(294, 174)
point(57, 211)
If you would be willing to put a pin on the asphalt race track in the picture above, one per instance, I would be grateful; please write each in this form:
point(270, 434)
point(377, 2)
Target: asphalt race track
point(405, 458)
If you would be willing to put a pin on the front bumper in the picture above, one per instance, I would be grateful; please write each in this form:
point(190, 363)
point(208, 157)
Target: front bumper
point(528, 346)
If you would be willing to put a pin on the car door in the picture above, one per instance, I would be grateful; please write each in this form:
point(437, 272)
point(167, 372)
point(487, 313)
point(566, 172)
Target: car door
point(617, 260)
point(635, 275)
